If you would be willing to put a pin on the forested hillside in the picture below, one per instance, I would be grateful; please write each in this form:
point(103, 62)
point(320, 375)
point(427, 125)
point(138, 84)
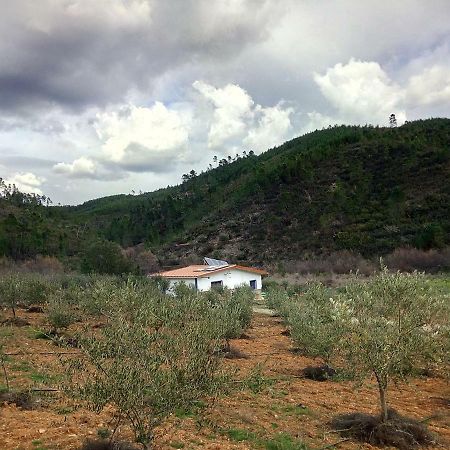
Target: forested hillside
point(364, 189)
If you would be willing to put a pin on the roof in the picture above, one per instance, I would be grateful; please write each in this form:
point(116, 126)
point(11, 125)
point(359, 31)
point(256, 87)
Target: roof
point(203, 270)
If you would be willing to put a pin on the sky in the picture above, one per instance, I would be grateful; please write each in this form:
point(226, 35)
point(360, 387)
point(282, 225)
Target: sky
point(113, 96)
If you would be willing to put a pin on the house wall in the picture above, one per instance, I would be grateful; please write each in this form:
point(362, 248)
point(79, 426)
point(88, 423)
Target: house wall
point(173, 281)
point(230, 279)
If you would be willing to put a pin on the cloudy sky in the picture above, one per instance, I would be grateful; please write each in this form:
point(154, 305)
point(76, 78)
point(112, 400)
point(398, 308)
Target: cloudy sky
point(109, 96)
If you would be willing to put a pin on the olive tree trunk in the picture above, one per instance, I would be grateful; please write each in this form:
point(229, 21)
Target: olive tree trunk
point(382, 388)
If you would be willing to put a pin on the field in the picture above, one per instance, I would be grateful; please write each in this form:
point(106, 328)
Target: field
point(271, 405)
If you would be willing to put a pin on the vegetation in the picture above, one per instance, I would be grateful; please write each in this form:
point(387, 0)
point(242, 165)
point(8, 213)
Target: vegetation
point(385, 327)
point(363, 189)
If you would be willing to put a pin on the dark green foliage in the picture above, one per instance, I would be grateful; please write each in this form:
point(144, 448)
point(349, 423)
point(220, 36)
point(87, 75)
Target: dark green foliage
point(105, 257)
point(365, 189)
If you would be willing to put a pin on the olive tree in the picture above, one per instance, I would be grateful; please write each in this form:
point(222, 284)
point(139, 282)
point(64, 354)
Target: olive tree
point(394, 322)
point(317, 322)
point(10, 291)
point(148, 369)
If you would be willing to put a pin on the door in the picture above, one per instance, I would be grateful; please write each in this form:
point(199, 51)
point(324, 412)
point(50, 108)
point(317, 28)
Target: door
point(253, 284)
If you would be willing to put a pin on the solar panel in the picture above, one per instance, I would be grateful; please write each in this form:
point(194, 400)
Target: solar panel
point(215, 262)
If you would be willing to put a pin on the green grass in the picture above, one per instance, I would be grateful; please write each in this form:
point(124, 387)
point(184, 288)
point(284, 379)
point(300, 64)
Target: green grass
point(40, 335)
point(22, 366)
point(292, 410)
point(284, 441)
point(42, 377)
point(63, 411)
point(177, 445)
point(240, 435)
point(6, 332)
point(281, 441)
point(37, 445)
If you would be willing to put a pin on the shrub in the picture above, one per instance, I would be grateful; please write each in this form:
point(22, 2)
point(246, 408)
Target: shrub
point(382, 327)
point(144, 260)
point(10, 291)
point(341, 262)
point(316, 322)
point(105, 257)
point(276, 297)
point(43, 265)
point(410, 259)
point(155, 355)
point(393, 322)
point(232, 309)
point(59, 312)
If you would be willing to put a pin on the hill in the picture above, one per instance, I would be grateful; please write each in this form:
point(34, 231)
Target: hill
point(365, 189)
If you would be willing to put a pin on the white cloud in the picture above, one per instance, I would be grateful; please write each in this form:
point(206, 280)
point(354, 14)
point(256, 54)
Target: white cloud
point(318, 121)
point(362, 92)
point(80, 168)
point(232, 108)
point(431, 87)
point(237, 120)
point(26, 182)
point(144, 139)
point(273, 127)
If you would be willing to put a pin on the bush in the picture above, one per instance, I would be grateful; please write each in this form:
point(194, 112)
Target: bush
point(155, 355)
point(315, 321)
point(59, 312)
point(10, 288)
point(410, 259)
point(382, 327)
point(105, 257)
point(341, 262)
point(233, 310)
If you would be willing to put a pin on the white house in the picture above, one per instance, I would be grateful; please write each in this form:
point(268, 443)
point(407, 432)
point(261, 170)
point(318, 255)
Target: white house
point(215, 273)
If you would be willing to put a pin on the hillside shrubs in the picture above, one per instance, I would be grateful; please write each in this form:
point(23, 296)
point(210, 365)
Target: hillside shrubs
point(410, 259)
point(105, 257)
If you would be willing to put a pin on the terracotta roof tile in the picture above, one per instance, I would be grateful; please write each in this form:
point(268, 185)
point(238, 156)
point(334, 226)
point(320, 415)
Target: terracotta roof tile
point(202, 270)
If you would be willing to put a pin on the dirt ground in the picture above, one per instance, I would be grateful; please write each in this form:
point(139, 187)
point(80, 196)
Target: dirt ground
point(276, 404)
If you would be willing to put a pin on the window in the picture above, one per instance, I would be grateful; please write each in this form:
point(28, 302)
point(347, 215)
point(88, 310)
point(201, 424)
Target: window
point(253, 284)
point(216, 284)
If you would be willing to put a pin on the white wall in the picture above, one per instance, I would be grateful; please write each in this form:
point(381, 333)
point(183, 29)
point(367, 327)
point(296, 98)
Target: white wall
point(173, 281)
point(231, 279)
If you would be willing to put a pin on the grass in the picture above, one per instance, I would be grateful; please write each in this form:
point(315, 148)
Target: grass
point(37, 445)
point(6, 332)
point(281, 441)
point(240, 435)
point(292, 410)
point(284, 441)
point(177, 445)
point(22, 366)
point(41, 335)
point(63, 411)
point(42, 377)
